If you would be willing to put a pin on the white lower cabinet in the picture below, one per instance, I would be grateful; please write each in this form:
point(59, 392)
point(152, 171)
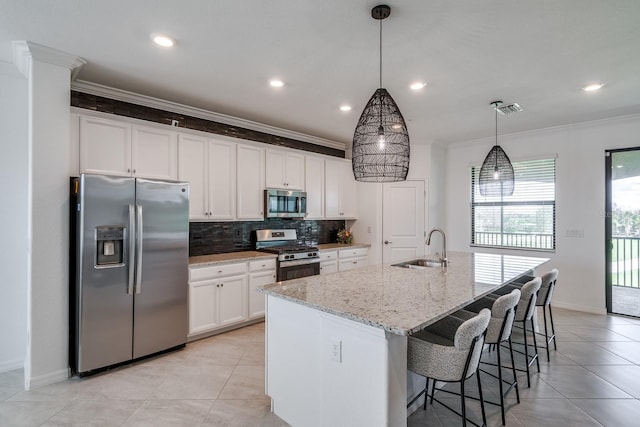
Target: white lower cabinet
point(349, 259)
point(328, 262)
point(260, 273)
point(217, 297)
point(224, 295)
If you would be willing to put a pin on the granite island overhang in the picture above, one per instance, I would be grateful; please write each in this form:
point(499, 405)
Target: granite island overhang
point(336, 343)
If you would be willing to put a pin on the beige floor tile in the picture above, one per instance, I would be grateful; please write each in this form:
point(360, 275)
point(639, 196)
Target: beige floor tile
point(18, 414)
point(193, 382)
point(94, 413)
point(242, 413)
point(169, 413)
point(246, 382)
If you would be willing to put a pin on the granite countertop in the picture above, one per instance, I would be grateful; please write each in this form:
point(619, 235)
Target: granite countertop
point(331, 246)
point(229, 257)
point(401, 300)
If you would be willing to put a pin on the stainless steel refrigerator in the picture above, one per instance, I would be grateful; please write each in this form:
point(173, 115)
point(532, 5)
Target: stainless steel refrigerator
point(129, 269)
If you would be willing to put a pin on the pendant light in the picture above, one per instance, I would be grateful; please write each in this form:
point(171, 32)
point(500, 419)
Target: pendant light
point(380, 150)
point(496, 174)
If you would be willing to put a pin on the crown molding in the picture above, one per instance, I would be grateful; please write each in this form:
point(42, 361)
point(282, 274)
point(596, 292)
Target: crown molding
point(24, 51)
point(541, 131)
point(174, 107)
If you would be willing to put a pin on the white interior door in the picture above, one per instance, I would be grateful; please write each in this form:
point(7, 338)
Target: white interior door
point(403, 220)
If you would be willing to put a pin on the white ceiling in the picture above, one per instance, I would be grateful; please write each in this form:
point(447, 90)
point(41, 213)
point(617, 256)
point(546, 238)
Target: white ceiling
point(536, 53)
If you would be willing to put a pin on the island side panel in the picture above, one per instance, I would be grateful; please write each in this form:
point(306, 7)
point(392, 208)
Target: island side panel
point(311, 385)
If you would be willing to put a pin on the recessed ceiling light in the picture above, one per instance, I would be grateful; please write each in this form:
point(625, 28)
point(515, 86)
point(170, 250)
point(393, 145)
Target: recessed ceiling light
point(417, 85)
point(345, 108)
point(592, 87)
point(276, 83)
point(162, 40)
point(396, 126)
point(619, 166)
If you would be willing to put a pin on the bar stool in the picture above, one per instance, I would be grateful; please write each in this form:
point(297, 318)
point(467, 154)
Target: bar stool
point(438, 358)
point(543, 300)
point(524, 313)
point(498, 332)
point(545, 293)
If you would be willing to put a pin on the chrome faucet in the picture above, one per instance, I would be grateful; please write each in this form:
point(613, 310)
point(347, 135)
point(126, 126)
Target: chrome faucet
point(443, 257)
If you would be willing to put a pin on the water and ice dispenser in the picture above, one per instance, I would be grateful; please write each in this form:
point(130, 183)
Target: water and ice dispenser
point(109, 245)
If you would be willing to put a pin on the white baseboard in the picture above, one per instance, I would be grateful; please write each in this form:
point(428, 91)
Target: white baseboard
point(50, 378)
point(10, 365)
point(583, 308)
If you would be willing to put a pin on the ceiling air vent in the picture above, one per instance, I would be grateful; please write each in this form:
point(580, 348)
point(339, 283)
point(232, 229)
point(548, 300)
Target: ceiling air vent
point(505, 109)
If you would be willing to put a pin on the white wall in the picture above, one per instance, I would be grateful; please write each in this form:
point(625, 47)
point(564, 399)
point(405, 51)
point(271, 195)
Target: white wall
point(580, 185)
point(49, 297)
point(13, 214)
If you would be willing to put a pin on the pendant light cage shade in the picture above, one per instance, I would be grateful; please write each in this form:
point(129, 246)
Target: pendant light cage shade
point(496, 174)
point(380, 150)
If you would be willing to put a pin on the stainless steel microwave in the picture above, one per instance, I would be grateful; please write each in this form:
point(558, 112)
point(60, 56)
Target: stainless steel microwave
point(280, 203)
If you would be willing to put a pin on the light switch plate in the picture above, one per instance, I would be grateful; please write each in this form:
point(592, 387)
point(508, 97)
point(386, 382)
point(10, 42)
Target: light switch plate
point(336, 350)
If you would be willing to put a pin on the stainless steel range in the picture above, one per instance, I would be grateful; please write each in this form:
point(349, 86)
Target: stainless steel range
point(295, 260)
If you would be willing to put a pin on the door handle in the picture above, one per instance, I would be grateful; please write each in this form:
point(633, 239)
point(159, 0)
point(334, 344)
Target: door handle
point(139, 250)
point(386, 242)
point(132, 248)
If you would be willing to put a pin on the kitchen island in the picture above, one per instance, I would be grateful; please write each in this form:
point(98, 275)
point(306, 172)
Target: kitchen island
point(337, 343)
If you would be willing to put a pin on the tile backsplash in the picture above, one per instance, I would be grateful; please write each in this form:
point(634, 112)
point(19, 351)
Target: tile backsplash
point(207, 238)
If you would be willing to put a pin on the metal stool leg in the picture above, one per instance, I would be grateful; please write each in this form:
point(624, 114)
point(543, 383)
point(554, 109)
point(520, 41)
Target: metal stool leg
point(535, 344)
point(513, 369)
point(484, 414)
point(462, 402)
point(526, 353)
point(553, 329)
point(500, 385)
point(546, 334)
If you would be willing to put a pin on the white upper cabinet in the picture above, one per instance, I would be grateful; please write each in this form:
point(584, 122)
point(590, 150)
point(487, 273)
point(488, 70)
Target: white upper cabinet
point(193, 167)
point(250, 183)
point(154, 153)
point(314, 186)
point(340, 190)
point(209, 166)
point(222, 180)
point(284, 170)
point(117, 148)
point(105, 146)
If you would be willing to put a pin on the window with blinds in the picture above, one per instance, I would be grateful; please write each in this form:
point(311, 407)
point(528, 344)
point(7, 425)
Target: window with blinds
point(526, 219)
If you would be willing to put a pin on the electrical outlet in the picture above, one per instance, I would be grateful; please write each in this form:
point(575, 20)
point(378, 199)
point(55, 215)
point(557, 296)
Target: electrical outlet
point(336, 350)
point(174, 123)
point(575, 233)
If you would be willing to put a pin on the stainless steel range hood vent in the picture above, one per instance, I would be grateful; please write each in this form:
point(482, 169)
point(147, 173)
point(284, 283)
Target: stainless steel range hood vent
point(509, 108)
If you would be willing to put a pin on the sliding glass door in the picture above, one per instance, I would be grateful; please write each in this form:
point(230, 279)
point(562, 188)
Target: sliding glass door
point(622, 228)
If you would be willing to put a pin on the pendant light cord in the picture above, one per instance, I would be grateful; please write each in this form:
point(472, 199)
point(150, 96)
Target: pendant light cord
point(380, 53)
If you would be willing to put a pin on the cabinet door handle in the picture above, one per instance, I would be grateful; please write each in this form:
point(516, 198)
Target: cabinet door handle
point(134, 171)
point(386, 242)
point(222, 285)
point(128, 170)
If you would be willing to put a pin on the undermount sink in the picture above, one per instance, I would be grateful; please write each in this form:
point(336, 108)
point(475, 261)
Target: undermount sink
point(421, 263)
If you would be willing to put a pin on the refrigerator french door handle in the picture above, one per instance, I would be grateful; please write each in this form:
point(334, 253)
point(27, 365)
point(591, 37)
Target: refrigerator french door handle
point(132, 248)
point(139, 249)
